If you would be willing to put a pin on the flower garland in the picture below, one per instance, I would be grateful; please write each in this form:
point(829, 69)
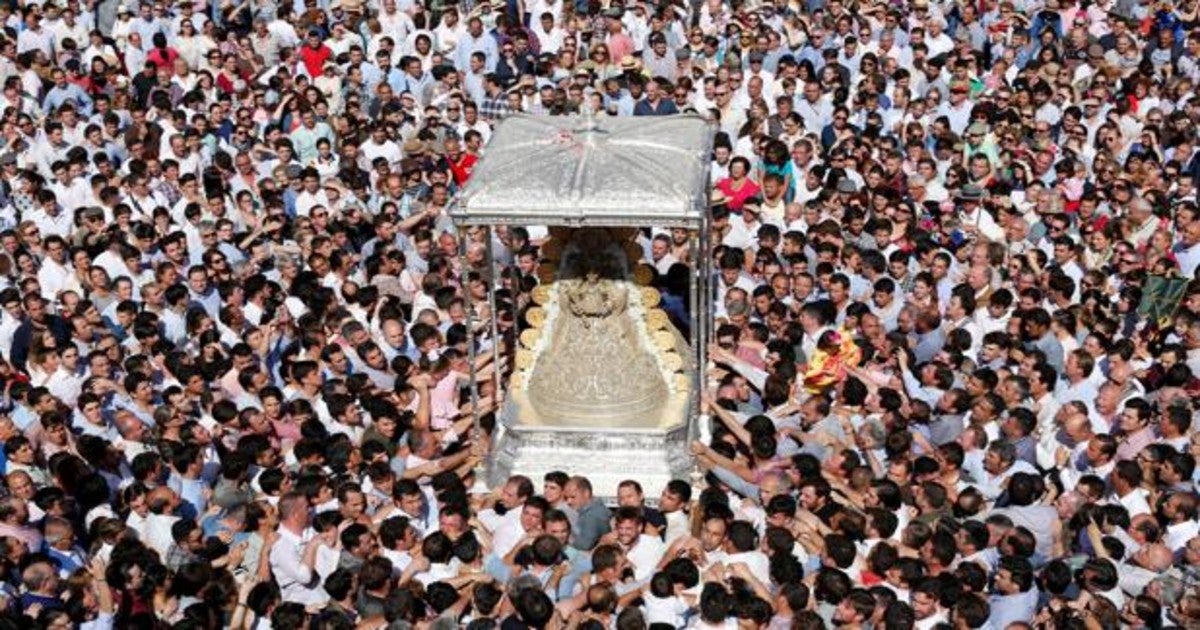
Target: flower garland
point(536, 338)
point(650, 324)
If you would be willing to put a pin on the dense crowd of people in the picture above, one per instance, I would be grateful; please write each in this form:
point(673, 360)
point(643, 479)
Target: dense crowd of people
point(956, 343)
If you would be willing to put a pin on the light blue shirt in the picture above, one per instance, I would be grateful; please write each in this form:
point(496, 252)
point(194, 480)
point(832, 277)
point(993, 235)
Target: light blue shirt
point(1007, 609)
point(71, 93)
point(485, 43)
point(305, 140)
point(191, 492)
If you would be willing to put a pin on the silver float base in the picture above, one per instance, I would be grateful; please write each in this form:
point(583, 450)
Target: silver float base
point(605, 456)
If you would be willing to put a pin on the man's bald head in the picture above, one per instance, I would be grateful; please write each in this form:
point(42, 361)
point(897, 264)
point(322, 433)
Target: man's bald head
point(19, 484)
point(127, 423)
point(1155, 557)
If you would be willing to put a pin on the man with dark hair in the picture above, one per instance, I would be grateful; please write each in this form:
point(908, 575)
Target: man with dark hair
point(506, 504)
point(642, 550)
point(1015, 598)
point(925, 599)
point(592, 520)
point(673, 504)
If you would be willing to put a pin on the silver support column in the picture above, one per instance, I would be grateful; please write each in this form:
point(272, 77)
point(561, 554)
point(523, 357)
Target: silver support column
point(703, 264)
point(694, 336)
point(471, 340)
point(491, 279)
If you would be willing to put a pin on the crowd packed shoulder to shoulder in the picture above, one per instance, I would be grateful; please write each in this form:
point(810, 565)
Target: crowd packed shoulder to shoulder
point(955, 357)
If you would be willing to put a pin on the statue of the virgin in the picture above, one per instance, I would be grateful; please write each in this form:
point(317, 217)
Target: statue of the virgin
point(596, 370)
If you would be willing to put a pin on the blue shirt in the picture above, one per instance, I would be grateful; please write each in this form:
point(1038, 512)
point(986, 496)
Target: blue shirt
point(71, 93)
point(1007, 609)
point(485, 44)
point(663, 108)
point(191, 493)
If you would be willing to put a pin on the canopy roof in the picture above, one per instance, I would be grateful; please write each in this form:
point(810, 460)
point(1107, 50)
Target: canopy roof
point(605, 171)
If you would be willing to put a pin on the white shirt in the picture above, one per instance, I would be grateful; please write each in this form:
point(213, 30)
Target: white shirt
point(297, 581)
point(1135, 502)
point(1178, 534)
point(65, 386)
point(644, 556)
point(8, 328)
point(677, 525)
point(437, 573)
point(668, 610)
point(388, 150)
point(154, 530)
point(507, 536)
point(400, 559)
point(40, 39)
point(53, 278)
point(306, 201)
point(1189, 260)
point(74, 195)
point(59, 224)
point(756, 561)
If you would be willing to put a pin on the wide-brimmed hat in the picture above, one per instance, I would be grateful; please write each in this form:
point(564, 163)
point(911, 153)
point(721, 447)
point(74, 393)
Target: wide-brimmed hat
point(1049, 72)
point(970, 192)
point(977, 129)
point(410, 165)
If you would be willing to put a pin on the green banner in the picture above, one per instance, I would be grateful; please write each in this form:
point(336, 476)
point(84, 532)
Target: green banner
point(1161, 297)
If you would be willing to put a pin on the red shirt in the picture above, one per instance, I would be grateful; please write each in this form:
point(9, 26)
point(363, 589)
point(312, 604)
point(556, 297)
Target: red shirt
point(737, 198)
point(463, 167)
point(163, 57)
point(314, 59)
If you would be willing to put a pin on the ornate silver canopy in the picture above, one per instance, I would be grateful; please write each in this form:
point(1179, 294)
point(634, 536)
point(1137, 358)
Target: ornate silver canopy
point(598, 171)
point(605, 173)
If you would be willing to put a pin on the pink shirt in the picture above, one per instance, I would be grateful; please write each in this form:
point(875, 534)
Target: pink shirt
point(28, 535)
point(1128, 448)
point(443, 402)
point(620, 46)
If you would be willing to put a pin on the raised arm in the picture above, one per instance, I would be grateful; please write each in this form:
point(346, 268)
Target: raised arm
point(739, 431)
